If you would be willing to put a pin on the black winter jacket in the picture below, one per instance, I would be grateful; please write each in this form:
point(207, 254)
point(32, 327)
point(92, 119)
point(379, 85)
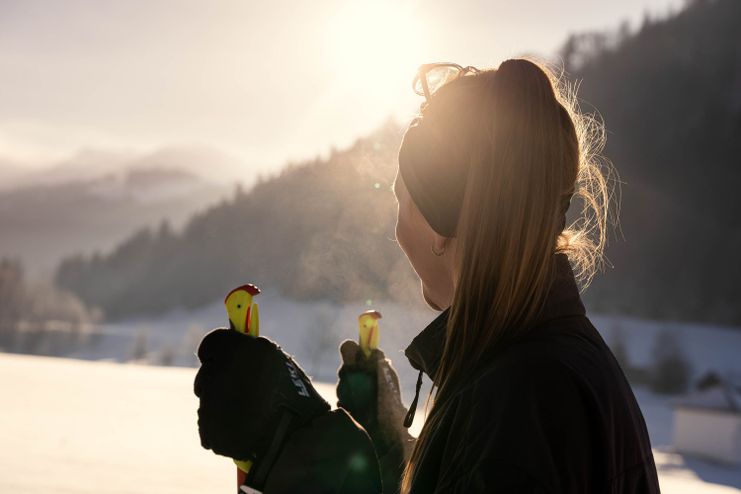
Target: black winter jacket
point(551, 413)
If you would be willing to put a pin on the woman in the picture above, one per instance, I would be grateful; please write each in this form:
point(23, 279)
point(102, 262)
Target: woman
point(528, 398)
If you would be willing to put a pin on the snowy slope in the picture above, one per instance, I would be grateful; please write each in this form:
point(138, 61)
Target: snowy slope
point(77, 427)
point(312, 332)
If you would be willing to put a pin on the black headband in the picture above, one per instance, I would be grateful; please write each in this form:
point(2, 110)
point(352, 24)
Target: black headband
point(435, 182)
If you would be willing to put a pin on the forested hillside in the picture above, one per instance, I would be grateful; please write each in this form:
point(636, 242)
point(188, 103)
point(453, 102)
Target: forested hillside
point(670, 95)
point(320, 229)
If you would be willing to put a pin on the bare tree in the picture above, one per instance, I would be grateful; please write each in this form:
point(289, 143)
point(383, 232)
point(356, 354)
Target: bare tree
point(140, 350)
point(671, 369)
point(12, 296)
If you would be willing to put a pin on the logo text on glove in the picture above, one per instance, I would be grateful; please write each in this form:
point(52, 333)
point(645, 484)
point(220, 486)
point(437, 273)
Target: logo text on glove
point(296, 380)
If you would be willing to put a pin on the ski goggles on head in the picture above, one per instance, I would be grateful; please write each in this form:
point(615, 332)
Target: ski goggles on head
point(431, 76)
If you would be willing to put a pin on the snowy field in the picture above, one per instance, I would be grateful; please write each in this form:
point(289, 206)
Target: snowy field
point(74, 427)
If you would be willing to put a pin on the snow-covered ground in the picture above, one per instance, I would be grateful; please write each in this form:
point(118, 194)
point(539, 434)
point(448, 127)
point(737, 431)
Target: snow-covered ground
point(77, 427)
point(73, 426)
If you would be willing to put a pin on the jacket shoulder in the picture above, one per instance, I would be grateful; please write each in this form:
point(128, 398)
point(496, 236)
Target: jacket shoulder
point(554, 407)
point(568, 352)
point(517, 425)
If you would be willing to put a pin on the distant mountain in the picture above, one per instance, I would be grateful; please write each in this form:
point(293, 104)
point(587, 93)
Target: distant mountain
point(11, 173)
point(670, 95)
point(203, 162)
point(41, 224)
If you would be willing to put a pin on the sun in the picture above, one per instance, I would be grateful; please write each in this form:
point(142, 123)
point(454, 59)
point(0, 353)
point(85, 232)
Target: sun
point(375, 44)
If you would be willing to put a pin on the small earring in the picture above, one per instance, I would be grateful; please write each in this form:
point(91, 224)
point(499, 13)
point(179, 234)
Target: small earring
point(438, 253)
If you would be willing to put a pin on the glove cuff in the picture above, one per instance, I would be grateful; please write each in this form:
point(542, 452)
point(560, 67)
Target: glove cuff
point(260, 469)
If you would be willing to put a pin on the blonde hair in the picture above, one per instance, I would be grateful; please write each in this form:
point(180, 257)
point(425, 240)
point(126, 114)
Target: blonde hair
point(526, 149)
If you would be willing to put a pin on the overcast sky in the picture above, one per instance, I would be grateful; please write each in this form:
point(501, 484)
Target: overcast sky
point(266, 81)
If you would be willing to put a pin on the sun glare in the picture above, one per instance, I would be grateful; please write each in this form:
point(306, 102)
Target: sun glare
point(375, 45)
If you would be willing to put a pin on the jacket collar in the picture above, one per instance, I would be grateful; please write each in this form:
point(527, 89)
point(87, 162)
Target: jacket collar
point(563, 300)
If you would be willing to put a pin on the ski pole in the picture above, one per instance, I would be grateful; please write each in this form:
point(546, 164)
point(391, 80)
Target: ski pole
point(243, 317)
point(368, 331)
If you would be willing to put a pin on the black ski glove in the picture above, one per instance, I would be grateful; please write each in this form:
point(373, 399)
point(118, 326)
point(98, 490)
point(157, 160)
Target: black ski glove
point(368, 388)
point(252, 396)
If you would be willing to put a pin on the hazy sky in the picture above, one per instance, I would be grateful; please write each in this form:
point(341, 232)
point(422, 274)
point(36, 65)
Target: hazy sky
point(265, 81)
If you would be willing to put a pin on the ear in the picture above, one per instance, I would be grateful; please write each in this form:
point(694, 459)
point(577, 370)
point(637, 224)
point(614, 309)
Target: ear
point(439, 242)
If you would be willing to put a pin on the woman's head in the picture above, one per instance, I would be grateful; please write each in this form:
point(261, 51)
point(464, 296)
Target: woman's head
point(486, 174)
point(491, 164)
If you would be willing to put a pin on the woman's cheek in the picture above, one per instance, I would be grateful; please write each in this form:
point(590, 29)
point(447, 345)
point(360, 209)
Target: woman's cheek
point(410, 241)
point(402, 235)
